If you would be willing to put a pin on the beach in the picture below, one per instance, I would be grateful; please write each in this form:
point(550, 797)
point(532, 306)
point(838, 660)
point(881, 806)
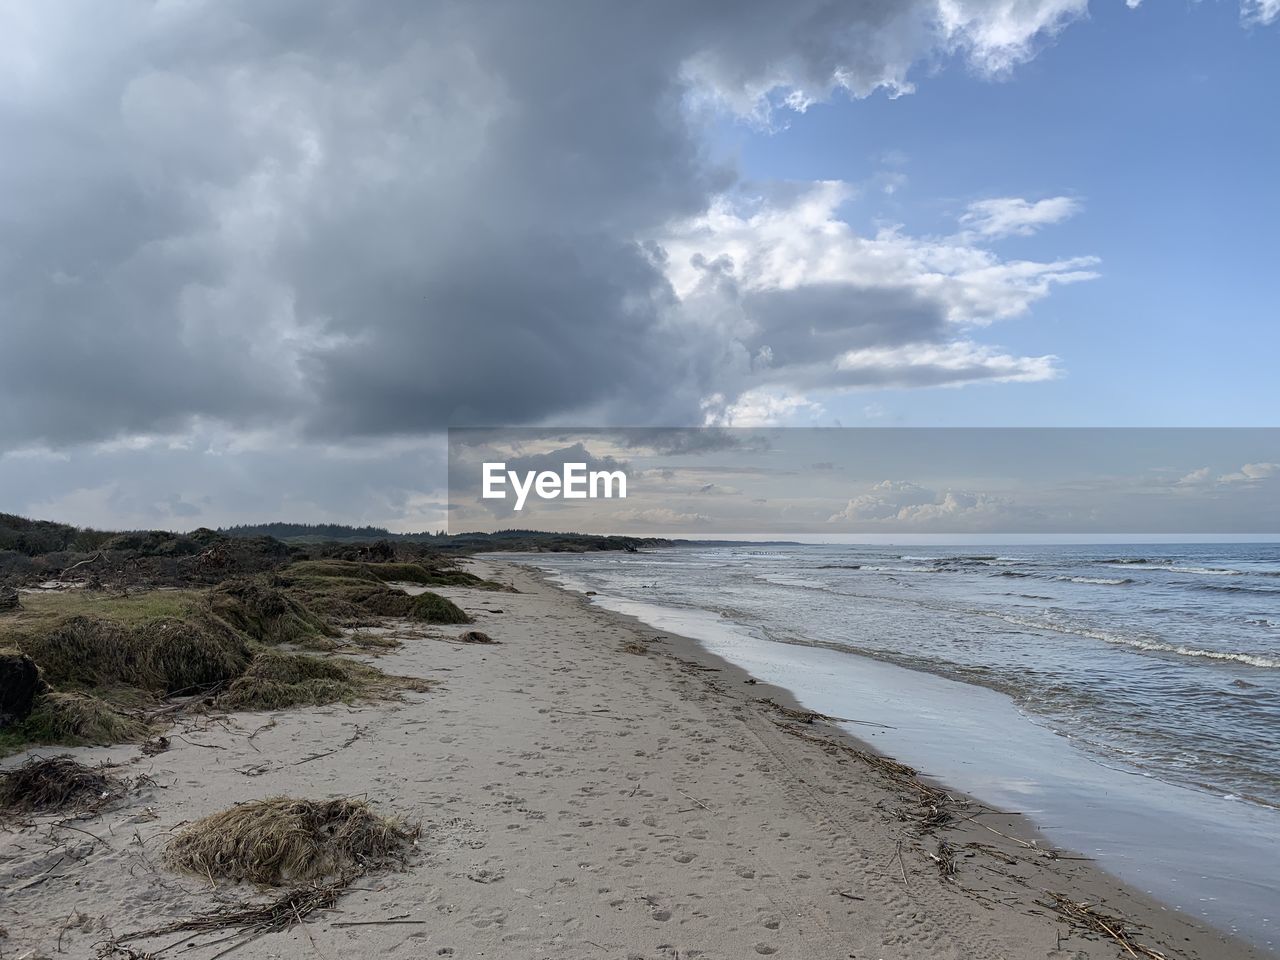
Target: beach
point(588, 786)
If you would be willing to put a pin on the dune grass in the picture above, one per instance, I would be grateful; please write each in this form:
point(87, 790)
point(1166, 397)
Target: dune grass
point(73, 720)
point(275, 681)
point(164, 656)
point(426, 575)
point(265, 613)
point(101, 654)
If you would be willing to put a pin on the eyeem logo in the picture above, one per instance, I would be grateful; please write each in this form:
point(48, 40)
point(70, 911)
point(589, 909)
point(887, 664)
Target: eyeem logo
point(574, 482)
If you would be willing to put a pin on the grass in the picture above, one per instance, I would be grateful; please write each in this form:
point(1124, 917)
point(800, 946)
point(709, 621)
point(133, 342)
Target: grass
point(164, 656)
point(98, 653)
point(284, 840)
point(390, 572)
point(264, 613)
point(353, 600)
point(434, 608)
point(73, 720)
point(41, 610)
point(275, 681)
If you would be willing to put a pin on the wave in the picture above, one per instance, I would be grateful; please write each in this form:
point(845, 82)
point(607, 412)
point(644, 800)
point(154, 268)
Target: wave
point(1100, 581)
point(1236, 588)
point(1252, 659)
point(1012, 573)
point(1197, 571)
point(1138, 643)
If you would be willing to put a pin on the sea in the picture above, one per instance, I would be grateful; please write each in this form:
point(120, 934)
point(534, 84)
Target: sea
point(1126, 698)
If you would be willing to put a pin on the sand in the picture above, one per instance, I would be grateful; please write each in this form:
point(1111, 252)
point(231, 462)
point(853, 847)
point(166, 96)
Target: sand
point(588, 787)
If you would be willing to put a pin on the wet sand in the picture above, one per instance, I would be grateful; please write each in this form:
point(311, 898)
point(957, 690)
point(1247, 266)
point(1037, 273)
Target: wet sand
point(591, 787)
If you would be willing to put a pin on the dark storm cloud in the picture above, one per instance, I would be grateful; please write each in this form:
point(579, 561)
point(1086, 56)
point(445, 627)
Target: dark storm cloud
point(353, 219)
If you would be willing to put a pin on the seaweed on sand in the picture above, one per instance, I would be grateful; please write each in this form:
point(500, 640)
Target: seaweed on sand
point(48, 784)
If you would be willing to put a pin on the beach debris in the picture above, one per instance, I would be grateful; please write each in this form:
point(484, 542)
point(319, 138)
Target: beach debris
point(945, 858)
point(634, 646)
point(476, 636)
point(1085, 916)
point(155, 745)
point(19, 684)
point(249, 920)
point(50, 784)
point(287, 840)
point(799, 716)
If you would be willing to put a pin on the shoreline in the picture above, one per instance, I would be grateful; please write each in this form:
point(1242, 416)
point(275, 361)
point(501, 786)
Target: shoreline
point(587, 787)
point(1012, 830)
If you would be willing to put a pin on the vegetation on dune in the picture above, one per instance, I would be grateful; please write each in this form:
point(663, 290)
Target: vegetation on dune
point(463, 543)
point(284, 840)
point(275, 681)
point(73, 719)
point(433, 608)
point(162, 614)
point(422, 574)
point(264, 613)
point(164, 656)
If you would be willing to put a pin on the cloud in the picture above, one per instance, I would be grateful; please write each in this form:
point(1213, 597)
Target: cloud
point(759, 408)
point(1013, 216)
point(345, 223)
point(901, 503)
point(1249, 473)
point(1259, 12)
point(1252, 473)
point(794, 299)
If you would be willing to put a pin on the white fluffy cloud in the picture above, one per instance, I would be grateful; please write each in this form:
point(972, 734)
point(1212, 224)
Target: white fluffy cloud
point(1010, 216)
point(903, 503)
point(1259, 12)
point(807, 303)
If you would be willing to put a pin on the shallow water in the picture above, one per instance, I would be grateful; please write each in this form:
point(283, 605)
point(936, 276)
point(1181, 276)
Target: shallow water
point(1136, 699)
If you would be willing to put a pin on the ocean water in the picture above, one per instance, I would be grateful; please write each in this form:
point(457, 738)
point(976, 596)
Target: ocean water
point(1137, 687)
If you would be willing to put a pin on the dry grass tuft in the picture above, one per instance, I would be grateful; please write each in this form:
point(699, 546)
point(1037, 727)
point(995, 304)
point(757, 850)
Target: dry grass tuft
point(45, 784)
point(285, 840)
point(78, 718)
point(275, 681)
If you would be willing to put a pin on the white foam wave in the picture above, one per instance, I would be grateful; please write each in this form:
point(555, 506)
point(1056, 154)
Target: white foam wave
point(1102, 581)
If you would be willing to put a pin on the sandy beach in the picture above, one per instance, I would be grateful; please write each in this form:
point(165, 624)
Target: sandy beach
point(587, 787)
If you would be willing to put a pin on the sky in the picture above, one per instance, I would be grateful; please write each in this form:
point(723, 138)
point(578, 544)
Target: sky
point(256, 258)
